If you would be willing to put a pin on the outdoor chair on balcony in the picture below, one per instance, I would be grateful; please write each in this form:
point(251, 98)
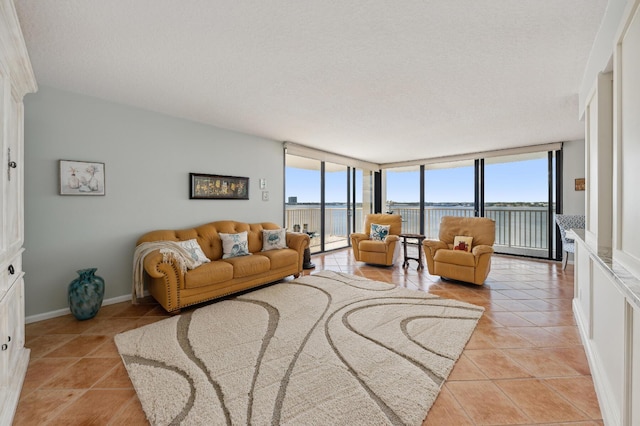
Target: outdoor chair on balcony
point(566, 222)
point(380, 245)
point(464, 249)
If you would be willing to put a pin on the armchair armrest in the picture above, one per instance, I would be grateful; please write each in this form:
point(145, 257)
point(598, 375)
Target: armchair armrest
point(390, 239)
point(433, 246)
point(477, 251)
point(356, 237)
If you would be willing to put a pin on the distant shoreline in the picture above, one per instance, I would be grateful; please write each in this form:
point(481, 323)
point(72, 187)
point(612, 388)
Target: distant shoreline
point(436, 204)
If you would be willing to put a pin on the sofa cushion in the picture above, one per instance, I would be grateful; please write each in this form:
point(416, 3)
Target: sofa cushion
point(281, 258)
point(274, 239)
point(455, 257)
point(207, 274)
point(195, 251)
point(245, 266)
point(234, 245)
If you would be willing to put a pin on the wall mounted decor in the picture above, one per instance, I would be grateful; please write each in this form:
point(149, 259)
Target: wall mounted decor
point(580, 184)
point(216, 187)
point(81, 178)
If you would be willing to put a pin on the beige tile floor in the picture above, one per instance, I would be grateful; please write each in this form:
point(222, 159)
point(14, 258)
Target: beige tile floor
point(524, 363)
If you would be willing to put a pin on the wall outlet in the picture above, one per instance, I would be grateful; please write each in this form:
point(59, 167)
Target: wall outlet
point(265, 195)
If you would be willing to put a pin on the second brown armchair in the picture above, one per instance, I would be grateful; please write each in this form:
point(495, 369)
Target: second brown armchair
point(379, 252)
point(448, 260)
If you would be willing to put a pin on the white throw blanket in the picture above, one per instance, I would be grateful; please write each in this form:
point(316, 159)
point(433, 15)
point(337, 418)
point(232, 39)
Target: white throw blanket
point(170, 250)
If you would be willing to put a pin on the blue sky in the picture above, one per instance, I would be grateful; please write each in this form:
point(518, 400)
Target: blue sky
point(524, 181)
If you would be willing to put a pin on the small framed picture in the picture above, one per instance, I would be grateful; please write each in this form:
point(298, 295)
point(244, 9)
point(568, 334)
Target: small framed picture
point(217, 187)
point(81, 178)
point(580, 184)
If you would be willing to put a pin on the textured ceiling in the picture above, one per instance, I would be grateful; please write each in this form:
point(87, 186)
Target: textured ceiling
point(382, 81)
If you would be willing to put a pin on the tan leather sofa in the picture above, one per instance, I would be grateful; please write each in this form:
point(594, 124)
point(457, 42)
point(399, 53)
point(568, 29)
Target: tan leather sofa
point(175, 290)
point(377, 252)
point(459, 265)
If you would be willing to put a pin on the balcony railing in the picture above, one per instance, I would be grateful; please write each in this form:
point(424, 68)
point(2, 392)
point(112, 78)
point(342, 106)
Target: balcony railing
point(519, 230)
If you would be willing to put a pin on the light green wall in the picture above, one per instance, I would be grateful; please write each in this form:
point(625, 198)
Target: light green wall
point(148, 157)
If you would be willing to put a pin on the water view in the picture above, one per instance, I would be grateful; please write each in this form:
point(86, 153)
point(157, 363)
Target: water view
point(521, 228)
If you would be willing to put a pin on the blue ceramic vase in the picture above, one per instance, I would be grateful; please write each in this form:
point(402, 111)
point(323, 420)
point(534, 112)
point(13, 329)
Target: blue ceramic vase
point(85, 294)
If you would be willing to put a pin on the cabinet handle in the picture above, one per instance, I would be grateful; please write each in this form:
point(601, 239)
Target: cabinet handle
point(5, 347)
point(12, 164)
point(11, 270)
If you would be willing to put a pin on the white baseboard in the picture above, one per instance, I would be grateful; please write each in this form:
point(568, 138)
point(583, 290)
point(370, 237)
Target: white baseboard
point(65, 311)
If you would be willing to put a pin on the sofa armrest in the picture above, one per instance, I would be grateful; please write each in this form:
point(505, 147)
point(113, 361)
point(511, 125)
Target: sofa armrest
point(151, 263)
point(298, 241)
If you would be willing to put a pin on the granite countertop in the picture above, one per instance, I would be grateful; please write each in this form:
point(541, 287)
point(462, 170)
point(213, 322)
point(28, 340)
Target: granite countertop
point(628, 283)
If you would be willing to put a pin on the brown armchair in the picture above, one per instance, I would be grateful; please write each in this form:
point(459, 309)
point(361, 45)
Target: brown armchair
point(377, 252)
point(472, 267)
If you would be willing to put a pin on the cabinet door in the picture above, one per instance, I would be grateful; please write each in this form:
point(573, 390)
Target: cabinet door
point(16, 321)
point(4, 145)
point(5, 319)
point(13, 179)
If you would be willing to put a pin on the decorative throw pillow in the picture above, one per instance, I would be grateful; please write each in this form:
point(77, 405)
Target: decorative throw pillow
point(462, 243)
point(379, 232)
point(195, 251)
point(274, 239)
point(234, 245)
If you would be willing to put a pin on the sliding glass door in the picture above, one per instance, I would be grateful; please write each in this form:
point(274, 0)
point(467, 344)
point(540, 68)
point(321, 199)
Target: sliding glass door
point(303, 198)
point(337, 206)
point(326, 200)
point(516, 193)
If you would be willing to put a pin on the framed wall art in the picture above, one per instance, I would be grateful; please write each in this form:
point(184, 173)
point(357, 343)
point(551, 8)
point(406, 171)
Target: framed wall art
point(217, 187)
point(580, 184)
point(81, 178)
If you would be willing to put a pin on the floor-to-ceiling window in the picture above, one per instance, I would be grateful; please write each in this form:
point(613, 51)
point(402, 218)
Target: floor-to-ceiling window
point(326, 199)
point(516, 196)
point(303, 197)
point(449, 190)
point(403, 196)
point(517, 191)
point(337, 206)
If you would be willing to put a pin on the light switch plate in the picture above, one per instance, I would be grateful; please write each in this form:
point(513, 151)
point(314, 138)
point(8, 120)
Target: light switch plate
point(263, 183)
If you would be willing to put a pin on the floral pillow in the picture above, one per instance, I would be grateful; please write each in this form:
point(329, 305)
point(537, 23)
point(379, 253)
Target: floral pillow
point(462, 243)
point(379, 232)
point(195, 251)
point(234, 245)
point(274, 239)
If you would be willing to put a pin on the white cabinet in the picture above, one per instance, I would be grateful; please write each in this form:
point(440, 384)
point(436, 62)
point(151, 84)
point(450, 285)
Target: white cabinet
point(14, 358)
point(16, 79)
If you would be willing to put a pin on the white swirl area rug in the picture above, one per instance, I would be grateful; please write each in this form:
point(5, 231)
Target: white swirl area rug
point(325, 349)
